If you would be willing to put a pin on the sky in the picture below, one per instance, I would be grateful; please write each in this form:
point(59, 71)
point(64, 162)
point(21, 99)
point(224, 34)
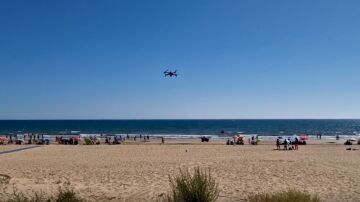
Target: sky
point(237, 59)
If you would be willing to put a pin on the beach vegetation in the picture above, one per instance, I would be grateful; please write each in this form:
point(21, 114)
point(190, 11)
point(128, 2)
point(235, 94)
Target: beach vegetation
point(67, 195)
point(63, 195)
point(199, 186)
point(4, 179)
point(18, 196)
point(284, 196)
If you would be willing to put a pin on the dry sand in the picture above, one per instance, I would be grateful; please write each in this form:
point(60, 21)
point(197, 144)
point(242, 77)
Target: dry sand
point(140, 172)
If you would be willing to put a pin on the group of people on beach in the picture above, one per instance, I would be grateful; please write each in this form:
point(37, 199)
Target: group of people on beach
point(109, 139)
point(28, 138)
point(240, 140)
point(318, 136)
point(144, 137)
point(288, 144)
point(73, 140)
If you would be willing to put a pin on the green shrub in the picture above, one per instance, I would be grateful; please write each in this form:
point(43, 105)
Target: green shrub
point(286, 196)
point(20, 197)
point(199, 187)
point(64, 195)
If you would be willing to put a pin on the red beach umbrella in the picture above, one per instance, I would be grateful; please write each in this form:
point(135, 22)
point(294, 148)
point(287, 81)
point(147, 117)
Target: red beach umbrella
point(304, 137)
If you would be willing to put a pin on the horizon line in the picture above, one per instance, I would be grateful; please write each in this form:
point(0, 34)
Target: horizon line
point(160, 119)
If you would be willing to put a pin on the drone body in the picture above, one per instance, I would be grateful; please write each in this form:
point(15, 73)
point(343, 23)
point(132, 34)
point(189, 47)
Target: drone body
point(170, 73)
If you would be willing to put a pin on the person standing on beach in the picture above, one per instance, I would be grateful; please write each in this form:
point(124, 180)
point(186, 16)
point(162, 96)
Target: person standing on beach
point(162, 140)
point(278, 144)
point(285, 144)
point(296, 143)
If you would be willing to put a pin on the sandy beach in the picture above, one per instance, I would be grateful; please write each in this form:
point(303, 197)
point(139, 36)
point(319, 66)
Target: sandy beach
point(140, 172)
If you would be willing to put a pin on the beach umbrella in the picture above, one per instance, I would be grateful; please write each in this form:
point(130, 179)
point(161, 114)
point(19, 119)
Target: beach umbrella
point(304, 137)
point(352, 139)
point(280, 137)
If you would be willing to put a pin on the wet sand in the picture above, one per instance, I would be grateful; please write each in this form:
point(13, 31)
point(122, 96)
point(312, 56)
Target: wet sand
point(140, 171)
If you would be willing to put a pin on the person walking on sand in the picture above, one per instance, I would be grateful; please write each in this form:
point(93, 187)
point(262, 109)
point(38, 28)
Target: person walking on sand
point(162, 140)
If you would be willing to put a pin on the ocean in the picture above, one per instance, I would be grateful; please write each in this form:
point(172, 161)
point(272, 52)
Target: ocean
point(185, 128)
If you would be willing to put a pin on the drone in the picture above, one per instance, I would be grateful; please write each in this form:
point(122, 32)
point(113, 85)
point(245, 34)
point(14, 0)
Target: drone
point(170, 73)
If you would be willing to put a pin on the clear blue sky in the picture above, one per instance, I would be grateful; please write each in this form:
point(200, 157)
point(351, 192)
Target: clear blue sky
point(236, 59)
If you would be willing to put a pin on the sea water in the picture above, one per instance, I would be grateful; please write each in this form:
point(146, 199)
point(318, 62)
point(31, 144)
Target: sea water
point(187, 128)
